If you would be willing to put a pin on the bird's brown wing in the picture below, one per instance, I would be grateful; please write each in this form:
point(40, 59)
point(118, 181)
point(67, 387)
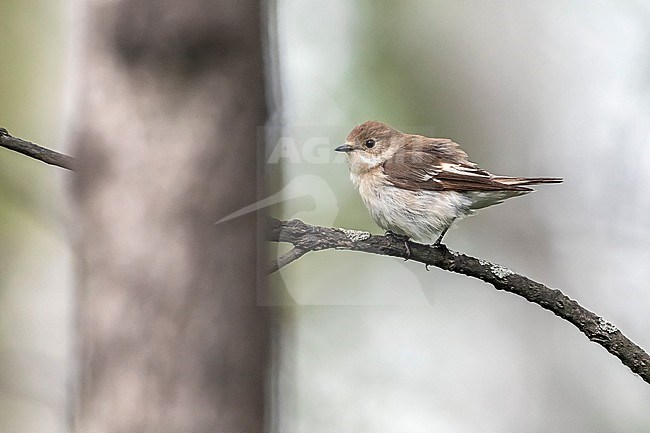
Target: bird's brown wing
point(436, 164)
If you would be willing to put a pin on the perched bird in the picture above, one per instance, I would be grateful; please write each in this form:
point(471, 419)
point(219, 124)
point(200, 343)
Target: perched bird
point(418, 186)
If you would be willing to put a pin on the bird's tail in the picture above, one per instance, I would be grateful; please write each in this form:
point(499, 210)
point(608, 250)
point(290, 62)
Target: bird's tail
point(521, 181)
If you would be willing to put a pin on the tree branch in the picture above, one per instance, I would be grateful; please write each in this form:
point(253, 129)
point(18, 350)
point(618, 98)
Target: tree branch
point(305, 238)
point(35, 151)
point(285, 259)
point(315, 238)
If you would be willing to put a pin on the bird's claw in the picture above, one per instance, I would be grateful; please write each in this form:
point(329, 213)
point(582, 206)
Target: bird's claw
point(403, 238)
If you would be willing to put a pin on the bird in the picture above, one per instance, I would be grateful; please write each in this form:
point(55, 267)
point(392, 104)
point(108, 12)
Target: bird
point(417, 186)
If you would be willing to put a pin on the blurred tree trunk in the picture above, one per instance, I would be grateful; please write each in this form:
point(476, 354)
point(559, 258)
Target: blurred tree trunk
point(170, 337)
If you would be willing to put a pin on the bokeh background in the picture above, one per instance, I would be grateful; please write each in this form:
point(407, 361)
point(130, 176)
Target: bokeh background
point(36, 276)
point(557, 88)
point(372, 344)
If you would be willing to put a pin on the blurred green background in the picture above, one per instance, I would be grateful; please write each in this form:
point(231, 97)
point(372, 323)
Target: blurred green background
point(35, 265)
point(370, 344)
point(557, 88)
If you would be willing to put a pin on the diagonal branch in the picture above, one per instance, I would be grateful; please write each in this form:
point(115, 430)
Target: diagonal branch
point(597, 329)
point(305, 238)
point(294, 254)
point(35, 151)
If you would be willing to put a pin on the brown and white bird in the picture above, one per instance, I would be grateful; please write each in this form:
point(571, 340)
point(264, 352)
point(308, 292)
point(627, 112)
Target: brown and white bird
point(418, 186)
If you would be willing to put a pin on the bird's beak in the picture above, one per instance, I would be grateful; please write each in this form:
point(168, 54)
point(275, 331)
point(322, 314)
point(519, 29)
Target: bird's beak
point(344, 148)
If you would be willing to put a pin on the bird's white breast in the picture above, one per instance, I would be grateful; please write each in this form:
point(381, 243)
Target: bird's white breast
point(420, 214)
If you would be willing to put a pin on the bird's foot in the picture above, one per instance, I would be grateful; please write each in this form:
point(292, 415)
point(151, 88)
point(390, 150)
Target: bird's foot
point(403, 238)
point(438, 243)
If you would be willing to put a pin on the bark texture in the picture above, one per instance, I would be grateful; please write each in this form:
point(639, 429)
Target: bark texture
point(170, 334)
point(306, 238)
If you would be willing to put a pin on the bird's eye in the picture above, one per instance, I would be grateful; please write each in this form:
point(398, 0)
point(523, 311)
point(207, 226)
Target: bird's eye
point(370, 143)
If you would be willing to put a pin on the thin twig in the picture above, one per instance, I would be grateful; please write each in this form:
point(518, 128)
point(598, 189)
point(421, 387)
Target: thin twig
point(593, 326)
point(35, 151)
point(285, 259)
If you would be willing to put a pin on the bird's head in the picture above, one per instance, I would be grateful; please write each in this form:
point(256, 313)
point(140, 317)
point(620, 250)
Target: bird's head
point(369, 145)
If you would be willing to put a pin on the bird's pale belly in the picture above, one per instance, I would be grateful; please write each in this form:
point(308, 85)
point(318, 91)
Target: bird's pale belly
point(422, 215)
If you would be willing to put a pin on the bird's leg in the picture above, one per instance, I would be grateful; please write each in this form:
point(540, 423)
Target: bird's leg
point(442, 234)
point(403, 238)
